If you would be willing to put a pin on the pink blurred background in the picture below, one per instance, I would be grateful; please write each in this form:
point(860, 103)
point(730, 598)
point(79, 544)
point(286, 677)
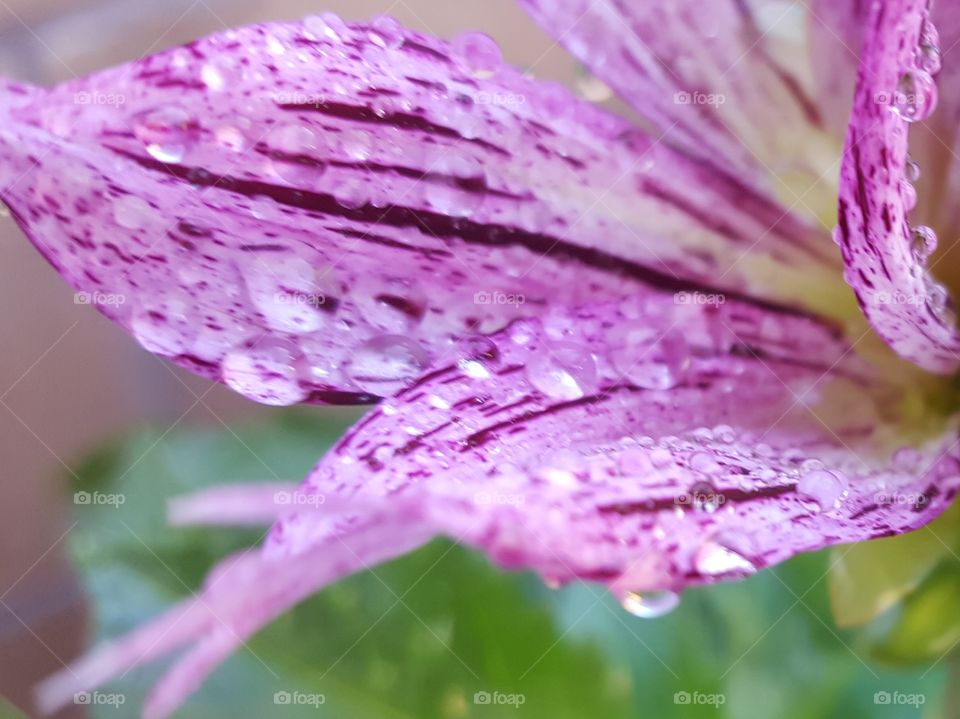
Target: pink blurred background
point(69, 379)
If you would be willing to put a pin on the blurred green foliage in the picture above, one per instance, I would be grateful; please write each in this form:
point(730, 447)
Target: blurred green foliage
point(420, 637)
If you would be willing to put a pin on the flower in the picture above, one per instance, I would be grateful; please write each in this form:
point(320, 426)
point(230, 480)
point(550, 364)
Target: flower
point(602, 353)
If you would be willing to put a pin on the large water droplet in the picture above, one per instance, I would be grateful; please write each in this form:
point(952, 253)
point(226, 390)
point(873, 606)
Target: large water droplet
point(386, 363)
point(132, 212)
point(821, 486)
point(650, 605)
point(563, 370)
point(721, 556)
point(478, 53)
point(657, 364)
point(923, 242)
point(703, 497)
point(168, 132)
point(356, 144)
point(284, 289)
point(165, 325)
point(927, 56)
point(266, 373)
point(294, 155)
point(916, 96)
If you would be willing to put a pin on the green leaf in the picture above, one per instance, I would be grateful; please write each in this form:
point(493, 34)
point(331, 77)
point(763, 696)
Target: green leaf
point(9, 711)
point(869, 578)
point(419, 637)
point(927, 626)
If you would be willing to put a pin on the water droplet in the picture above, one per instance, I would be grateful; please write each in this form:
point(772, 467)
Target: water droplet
point(294, 154)
point(386, 363)
point(821, 486)
point(909, 194)
point(213, 77)
point(477, 354)
point(916, 96)
point(231, 138)
point(563, 370)
point(132, 212)
point(905, 459)
point(327, 26)
point(703, 462)
point(386, 32)
point(478, 53)
point(284, 289)
point(592, 88)
point(267, 372)
point(356, 144)
point(634, 462)
point(719, 556)
point(703, 497)
point(165, 325)
point(452, 188)
point(650, 605)
point(923, 242)
point(658, 364)
point(911, 170)
point(927, 56)
point(168, 132)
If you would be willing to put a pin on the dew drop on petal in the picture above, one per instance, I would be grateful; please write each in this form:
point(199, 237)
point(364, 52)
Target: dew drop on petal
point(477, 355)
point(563, 370)
point(923, 242)
point(656, 365)
point(650, 605)
point(293, 151)
point(911, 170)
point(268, 373)
point(131, 212)
point(478, 53)
point(165, 326)
point(167, 132)
point(716, 557)
point(703, 497)
point(822, 487)
point(386, 363)
point(916, 96)
point(386, 32)
point(905, 459)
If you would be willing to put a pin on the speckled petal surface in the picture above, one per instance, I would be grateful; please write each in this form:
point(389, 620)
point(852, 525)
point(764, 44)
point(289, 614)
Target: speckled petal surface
point(264, 206)
point(649, 445)
point(885, 250)
point(704, 72)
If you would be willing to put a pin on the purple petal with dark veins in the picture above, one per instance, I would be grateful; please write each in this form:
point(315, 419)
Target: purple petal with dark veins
point(646, 444)
point(316, 211)
point(884, 250)
point(702, 71)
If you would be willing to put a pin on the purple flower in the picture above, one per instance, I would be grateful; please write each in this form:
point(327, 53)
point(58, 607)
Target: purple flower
point(601, 352)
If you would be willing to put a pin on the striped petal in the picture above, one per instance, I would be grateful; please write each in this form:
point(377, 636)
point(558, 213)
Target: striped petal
point(884, 250)
point(697, 443)
point(317, 211)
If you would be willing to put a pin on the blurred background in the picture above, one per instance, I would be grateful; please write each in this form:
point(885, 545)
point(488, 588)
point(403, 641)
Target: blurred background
point(82, 407)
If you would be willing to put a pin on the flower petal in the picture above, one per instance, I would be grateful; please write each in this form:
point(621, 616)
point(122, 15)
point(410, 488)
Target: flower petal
point(263, 206)
point(706, 73)
point(642, 444)
point(885, 254)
